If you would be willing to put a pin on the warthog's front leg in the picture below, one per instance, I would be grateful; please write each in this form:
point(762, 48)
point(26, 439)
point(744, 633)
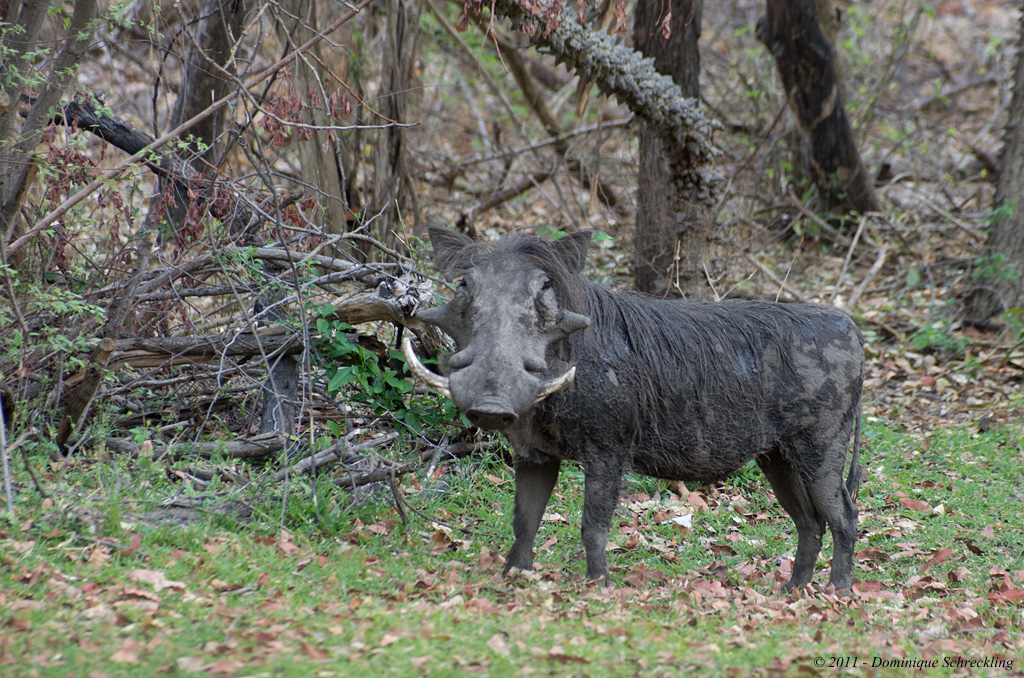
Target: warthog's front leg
point(534, 483)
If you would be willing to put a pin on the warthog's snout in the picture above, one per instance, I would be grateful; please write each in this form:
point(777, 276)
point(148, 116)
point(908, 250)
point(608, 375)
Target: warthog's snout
point(494, 414)
point(485, 411)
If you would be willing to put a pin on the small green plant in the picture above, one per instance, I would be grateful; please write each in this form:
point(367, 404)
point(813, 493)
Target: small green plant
point(936, 336)
point(555, 234)
point(1003, 211)
point(995, 266)
point(59, 338)
point(365, 378)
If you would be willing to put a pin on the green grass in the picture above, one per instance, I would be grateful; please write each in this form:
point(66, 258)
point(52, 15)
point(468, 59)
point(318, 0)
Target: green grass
point(342, 587)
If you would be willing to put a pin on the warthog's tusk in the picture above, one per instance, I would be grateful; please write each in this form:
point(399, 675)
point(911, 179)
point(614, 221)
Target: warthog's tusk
point(420, 371)
point(557, 384)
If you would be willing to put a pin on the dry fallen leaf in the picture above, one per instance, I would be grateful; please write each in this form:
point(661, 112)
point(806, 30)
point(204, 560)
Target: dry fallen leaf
point(498, 645)
point(872, 554)
point(685, 520)
point(389, 639)
point(312, 652)
point(133, 545)
point(440, 541)
point(937, 558)
point(915, 504)
point(287, 548)
point(155, 578)
point(697, 502)
point(127, 653)
point(224, 667)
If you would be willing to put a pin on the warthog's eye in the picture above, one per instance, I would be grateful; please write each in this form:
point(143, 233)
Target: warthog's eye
point(545, 303)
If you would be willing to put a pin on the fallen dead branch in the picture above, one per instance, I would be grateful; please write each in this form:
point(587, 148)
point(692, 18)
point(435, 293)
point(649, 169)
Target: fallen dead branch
point(249, 448)
point(395, 303)
point(869, 278)
point(338, 451)
point(378, 475)
point(456, 450)
point(169, 351)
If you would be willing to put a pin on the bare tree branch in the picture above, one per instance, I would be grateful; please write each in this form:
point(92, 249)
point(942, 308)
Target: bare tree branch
point(623, 72)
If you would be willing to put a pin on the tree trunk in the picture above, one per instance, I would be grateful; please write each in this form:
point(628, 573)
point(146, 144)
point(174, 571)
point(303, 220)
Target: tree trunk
point(1000, 279)
point(792, 32)
point(331, 172)
point(673, 235)
point(208, 51)
point(18, 148)
point(392, 185)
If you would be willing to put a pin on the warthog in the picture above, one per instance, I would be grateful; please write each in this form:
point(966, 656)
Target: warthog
point(681, 390)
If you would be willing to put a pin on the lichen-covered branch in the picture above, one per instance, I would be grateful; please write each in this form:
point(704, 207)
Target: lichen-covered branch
point(632, 78)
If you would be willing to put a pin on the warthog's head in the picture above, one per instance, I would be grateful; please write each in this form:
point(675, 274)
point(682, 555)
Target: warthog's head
point(507, 318)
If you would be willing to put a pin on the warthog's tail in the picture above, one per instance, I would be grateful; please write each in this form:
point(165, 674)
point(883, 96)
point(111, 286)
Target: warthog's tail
point(853, 480)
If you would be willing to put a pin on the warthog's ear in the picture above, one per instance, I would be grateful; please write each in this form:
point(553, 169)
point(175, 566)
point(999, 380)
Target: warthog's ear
point(572, 249)
point(451, 250)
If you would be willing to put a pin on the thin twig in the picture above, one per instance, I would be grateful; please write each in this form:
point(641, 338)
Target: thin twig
point(826, 227)
point(399, 502)
point(872, 272)
point(775, 279)
point(503, 196)
point(8, 487)
point(849, 256)
point(550, 141)
point(481, 71)
point(28, 467)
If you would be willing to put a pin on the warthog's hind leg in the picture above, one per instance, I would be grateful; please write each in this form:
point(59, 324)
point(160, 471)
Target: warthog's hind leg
point(792, 493)
point(836, 506)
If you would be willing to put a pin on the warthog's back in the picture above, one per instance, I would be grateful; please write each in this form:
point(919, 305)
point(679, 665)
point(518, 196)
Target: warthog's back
point(697, 389)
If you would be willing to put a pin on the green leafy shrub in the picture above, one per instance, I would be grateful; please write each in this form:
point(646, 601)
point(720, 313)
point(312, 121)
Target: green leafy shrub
point(381, 384)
